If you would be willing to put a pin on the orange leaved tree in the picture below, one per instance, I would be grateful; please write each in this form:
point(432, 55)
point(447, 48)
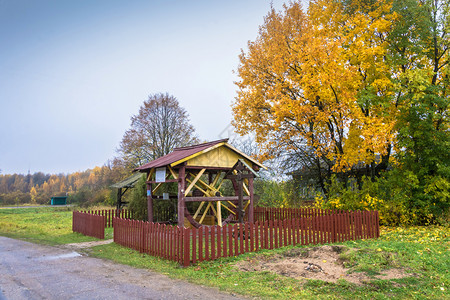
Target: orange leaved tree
point(313, 87)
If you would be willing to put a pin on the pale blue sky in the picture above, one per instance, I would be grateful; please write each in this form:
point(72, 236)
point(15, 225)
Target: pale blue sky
point(72, 73)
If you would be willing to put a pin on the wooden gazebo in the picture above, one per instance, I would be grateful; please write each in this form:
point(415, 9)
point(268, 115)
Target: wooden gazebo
point(200, 171)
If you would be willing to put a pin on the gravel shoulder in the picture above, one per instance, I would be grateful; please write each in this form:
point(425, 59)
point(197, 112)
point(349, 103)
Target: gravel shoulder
point(32, 271)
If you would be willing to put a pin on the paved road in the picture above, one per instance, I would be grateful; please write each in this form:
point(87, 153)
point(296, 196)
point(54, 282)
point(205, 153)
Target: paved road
point(30, 271)
point(36, 206)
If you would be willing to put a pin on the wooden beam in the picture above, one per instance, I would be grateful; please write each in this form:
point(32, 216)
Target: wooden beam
point(246, 205)
point(166, 181)
point(207, 186)
point(172, 172)
point(245, 189)
point(203, 191)
point(232, 204)
point(213, 199)
point(226, 207)
point(199, 209)
point(244, 176)
point(160, 184)
point(204, 213)
point(150, 174)
point(157, 187)
point(219, 183)
point(219, 214)
point(216, 179)
point(191, 167)
point(161, 197)
point(213, 209)
point(194, 181)
point(201, 182)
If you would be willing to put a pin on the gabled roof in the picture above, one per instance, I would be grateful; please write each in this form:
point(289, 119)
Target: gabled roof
point(128, 182)
point(180, 155)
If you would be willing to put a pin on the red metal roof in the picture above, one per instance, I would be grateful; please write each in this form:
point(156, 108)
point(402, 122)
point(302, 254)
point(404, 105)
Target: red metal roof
point(178, 154)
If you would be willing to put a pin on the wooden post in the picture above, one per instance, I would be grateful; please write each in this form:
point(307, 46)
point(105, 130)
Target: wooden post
point(149, 203)
point(186, 244)
point(240, 197)
point(119, 198)
point(181, 187)
point(219, 213)
point(251, 211)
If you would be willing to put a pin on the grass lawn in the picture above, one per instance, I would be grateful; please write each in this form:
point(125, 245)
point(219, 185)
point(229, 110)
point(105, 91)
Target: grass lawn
point(43, 225)
point(420, 252)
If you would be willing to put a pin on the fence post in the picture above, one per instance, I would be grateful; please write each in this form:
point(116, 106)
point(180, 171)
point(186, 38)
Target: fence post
point(200, 243)
point(186, 246)
point(377, 224)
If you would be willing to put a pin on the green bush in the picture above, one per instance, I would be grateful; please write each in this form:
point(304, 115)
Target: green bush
point(394, 196)
point(15, 198)
point(138, 200)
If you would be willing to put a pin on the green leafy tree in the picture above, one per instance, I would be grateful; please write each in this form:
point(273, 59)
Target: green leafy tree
point(420, 48)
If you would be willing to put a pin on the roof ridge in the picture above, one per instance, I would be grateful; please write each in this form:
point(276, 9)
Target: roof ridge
point(201, 145)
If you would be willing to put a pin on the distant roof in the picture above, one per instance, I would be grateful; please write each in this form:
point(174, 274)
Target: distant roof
point(129, 182)
point(180, 155)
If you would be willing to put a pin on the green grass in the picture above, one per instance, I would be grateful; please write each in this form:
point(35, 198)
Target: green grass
point(43, 225)
point(422, 252)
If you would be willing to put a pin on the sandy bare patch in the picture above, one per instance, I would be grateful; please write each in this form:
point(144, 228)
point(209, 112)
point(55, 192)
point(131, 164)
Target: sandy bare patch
point(88, 244)
point(393, 274)
point(321, 263)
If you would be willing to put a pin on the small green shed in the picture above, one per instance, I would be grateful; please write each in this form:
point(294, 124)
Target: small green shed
point(62, 200)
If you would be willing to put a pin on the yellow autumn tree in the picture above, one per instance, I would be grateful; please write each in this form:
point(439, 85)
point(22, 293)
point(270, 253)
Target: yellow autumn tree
point(33, 195)
point(46, 188)
point(301, 82)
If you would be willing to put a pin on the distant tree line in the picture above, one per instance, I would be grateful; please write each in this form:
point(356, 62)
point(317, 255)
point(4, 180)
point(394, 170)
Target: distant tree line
point(85, 187)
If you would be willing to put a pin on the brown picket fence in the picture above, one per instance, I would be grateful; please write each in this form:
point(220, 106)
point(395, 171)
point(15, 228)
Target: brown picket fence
point(89, 224)
point(192, 245)
point(153, 238)
point(110, 214)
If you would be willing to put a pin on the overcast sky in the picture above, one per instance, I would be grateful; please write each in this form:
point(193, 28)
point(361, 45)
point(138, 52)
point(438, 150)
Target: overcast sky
point(72, 73)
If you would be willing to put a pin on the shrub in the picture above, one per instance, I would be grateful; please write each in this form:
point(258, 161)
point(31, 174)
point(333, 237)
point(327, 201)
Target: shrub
point(395, 197)
point(138, 200)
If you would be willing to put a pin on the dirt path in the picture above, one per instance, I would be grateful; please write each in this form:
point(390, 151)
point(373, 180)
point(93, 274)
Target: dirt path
point(87, 244)
point(31, 271)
